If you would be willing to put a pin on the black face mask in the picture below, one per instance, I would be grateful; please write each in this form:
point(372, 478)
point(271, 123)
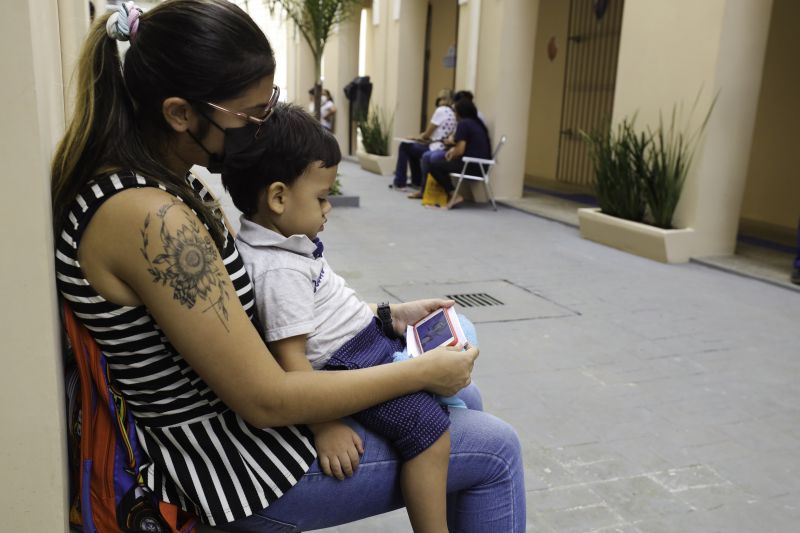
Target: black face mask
point(236, 142)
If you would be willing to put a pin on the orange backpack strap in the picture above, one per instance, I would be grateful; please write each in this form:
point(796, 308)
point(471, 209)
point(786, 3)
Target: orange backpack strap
point(104, 433)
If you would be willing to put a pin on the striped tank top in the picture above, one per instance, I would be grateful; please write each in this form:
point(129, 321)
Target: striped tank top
point(203, 456)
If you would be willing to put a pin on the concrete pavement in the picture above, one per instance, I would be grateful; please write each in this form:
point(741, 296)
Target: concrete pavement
point(660, 398)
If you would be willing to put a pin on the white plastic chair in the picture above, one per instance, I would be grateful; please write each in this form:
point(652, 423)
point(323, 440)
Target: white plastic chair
point(486, 166)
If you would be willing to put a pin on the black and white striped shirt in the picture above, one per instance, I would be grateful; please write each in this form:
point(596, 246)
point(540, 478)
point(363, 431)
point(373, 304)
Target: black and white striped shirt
point(203, 456)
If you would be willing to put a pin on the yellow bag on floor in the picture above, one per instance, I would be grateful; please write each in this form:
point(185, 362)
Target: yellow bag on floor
point(434, 193)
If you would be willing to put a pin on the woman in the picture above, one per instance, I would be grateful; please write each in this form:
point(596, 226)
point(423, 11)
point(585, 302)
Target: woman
point(147, 264)
point(471, 140)
point(327, 110)
point(412, 151)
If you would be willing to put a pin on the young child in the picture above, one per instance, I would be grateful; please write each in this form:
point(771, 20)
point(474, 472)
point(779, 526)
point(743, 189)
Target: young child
point(312, 320)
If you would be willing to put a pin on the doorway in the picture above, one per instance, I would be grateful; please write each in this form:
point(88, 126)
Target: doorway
point(439, 62)
point(590, 76)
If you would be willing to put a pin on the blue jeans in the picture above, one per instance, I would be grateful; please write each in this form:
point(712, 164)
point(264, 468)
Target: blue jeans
point(429, 157)
point(485, 484)
point(408, 156)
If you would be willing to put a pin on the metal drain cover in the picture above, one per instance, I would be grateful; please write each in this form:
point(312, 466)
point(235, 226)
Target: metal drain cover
point(484, 301)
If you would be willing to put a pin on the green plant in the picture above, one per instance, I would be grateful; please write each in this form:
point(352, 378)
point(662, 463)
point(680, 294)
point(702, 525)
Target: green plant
point(669, 158)
point(640, 176)
point(376, 131)
point(619, 158)
point(336, 188)
point(315, 19)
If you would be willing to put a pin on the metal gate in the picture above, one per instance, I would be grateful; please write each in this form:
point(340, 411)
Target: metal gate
point(589, 79)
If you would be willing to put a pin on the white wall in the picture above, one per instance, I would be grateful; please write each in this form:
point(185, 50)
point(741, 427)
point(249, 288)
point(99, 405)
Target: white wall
point(33, 460)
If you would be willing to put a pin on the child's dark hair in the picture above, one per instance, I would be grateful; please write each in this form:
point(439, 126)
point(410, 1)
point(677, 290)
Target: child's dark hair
point(290, 141)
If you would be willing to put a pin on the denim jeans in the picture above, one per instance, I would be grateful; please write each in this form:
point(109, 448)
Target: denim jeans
point(486, 489)
point(429, 157)
point(408, 156)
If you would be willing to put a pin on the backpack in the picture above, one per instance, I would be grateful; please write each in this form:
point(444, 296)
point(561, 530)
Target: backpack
point(108, 495)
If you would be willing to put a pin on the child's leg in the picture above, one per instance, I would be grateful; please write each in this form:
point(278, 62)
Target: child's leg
point(417, 426)
point(423, 480)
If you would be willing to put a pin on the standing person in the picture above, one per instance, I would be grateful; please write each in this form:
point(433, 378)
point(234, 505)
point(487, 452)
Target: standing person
point(145, 260)
point(327, 110)
point(285, 207)
point(441, 126)
point(471, 139)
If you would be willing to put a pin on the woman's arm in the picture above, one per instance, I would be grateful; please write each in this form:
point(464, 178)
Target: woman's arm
point(145, 247)
point(456, 151)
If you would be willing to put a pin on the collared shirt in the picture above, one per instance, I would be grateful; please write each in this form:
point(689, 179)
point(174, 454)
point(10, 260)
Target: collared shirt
point(298, 294)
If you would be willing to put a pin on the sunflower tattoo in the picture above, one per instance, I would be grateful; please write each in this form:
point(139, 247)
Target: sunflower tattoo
point(187, 265)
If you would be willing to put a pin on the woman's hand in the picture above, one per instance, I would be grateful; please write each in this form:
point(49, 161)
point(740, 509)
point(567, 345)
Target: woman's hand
point(339, 448)
point(409, 313)
point(450, 154)
point(448, 369)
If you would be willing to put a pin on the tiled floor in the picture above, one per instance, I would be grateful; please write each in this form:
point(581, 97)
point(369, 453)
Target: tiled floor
point(665, 399)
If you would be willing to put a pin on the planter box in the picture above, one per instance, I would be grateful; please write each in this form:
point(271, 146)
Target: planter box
point(665, 245)
point(379, 164)
point(344, 200)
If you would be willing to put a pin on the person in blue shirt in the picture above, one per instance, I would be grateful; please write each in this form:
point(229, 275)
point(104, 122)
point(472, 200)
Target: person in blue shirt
point(471, 140)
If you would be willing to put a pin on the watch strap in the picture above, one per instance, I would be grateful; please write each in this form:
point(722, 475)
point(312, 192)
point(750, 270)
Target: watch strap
point(385, 318)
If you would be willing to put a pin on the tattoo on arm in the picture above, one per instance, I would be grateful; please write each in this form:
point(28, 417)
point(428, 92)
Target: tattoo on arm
point(187, 265)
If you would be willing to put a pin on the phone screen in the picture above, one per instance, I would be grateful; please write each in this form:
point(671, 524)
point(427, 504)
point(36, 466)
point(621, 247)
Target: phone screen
point(434, 332)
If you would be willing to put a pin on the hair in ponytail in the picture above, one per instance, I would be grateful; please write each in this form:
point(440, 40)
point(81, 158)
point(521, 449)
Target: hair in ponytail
point(200, 50)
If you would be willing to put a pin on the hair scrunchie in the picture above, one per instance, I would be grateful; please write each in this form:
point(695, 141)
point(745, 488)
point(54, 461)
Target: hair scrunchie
point(123, 24)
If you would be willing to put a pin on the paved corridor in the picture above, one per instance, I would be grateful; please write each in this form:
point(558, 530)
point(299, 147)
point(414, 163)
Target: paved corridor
point(648, 397)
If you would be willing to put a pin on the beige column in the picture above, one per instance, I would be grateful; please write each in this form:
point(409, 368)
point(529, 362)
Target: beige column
point(33, 460)
point(405, 64)
point(504, 74)
point(668, 52)
point(341, 66)
point(300, 67)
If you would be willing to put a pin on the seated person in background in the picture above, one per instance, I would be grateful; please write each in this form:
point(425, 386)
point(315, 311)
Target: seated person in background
point(442, 125)
point(327, 110)
point(311, 319)
point(467, 95)
point(471, 139)
point(438, 154)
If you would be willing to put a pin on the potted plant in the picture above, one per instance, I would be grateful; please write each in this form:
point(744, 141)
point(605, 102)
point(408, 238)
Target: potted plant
point(376, 133)
point(338, 199)
point(639, 178)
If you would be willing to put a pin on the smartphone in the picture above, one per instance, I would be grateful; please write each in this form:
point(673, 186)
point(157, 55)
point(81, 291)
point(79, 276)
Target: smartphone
point(435, 330)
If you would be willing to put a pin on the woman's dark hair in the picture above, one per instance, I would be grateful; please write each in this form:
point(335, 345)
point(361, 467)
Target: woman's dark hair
point(463, 95)
point(291, 140)
point(464, 108)
point(200, 50)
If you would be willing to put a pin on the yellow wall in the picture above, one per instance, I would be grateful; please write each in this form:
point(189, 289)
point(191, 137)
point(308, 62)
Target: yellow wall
point(544, 120)
point(444, 15)
point(772, 194)
point(33, 460)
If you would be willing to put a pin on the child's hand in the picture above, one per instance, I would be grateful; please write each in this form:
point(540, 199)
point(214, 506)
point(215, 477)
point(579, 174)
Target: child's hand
point(412, 312)
point(338, 448)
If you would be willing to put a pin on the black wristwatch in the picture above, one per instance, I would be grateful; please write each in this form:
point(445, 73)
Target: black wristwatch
point(385, 318)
